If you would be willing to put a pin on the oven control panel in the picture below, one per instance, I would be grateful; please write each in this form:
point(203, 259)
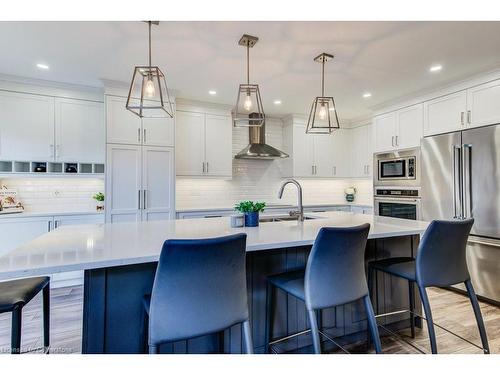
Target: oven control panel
point(398, 192)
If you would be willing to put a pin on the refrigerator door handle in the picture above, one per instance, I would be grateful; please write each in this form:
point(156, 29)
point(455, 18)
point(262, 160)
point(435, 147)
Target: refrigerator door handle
point(457, 190)
point(467, 179)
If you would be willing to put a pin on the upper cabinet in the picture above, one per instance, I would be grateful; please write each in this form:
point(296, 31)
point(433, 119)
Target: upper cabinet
point(41, 128)
point(483, 104)
point(316, 155)
point(124, 127)
point(445, 114)
point(26, 127)
point(399, 129)
point(79, 129)
point(361, 151)
point(203, 144)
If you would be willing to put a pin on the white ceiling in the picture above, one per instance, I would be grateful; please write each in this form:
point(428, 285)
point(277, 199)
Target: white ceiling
point(388, 59)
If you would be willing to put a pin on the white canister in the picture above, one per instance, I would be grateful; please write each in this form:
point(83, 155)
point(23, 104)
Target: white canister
point(237, 221)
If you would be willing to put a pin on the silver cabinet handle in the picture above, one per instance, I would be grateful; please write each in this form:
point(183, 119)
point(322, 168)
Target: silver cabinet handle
point(203, 166)
point(144, 200)
point(334, 170)
point(392, 141)
point(207, 166)
point(144, 136)
point(49, 226)
point(138, 199)
point(368, 169)
point(138, 134)
point(56, 224)
point(469, 117)
point(312, 169)
point(462, 118)
point(397, 140)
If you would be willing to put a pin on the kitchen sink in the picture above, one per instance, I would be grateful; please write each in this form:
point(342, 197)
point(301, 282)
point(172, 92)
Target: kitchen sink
point(271, 219)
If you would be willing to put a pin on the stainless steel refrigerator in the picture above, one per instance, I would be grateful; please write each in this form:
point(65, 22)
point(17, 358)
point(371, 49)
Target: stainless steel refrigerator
point(461, 179)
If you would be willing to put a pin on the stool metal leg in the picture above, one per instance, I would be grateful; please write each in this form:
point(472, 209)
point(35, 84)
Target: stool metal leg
point(479, 317)
point(372, 324)
point(314, 331)
point(15, 341)
point(247, 336)
point(428, 316)
point(46, 318)
point(319, 322)
point(269, 316)
point(411, 291)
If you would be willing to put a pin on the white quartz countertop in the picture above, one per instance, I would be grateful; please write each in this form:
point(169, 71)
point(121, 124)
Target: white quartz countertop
point(81, 247)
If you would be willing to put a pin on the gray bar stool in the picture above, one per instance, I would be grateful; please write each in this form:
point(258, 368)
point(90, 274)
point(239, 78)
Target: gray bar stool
point(441, 262)
point(14, 295)
point(200, 288)
point(334, 275)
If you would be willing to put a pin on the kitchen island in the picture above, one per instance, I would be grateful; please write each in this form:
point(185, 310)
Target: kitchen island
point(119, 261)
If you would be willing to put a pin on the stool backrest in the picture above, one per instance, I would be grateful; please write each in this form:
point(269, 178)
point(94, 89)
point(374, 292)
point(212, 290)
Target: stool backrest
point(335, 271)
point(199, 288)
point(441, 257)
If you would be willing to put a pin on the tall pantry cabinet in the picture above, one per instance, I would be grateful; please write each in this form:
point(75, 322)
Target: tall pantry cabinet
point(140, 174)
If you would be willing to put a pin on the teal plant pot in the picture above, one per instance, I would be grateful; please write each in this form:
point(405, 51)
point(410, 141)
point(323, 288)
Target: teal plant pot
point(349, 197)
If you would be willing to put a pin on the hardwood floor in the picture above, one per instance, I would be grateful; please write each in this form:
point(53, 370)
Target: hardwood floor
point(451, 310)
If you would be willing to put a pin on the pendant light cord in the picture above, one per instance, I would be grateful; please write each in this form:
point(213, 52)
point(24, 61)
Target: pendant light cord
point(248, 63)
point(149, 23)
point(323, 78)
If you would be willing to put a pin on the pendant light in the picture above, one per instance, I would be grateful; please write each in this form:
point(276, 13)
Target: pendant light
point(323, 117)
point(148, 94)
point(248, 110)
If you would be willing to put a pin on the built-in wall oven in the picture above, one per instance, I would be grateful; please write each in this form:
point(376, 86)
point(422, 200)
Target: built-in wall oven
point(398, 202)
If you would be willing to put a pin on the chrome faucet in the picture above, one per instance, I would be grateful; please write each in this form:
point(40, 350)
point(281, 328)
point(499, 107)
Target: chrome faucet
point(300, 212)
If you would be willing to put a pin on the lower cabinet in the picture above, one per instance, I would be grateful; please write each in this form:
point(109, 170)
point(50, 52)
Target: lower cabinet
point(140, 183)
point(17, 231)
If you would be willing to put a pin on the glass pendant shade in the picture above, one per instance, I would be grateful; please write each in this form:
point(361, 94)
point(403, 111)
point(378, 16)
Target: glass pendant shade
point(248, 110)
point(323, 117)
point(148, 94)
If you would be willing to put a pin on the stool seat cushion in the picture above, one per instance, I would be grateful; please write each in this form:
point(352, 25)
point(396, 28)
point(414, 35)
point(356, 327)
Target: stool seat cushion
point(400, 266)
point(20, 292)
point(291, 282)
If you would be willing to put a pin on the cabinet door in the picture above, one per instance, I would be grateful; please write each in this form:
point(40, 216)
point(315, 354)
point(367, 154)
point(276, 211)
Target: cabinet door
point(16, 232)
point(358, 162)
point(158, 131)
point(123, 183)
point(26, 127)
point(410, 124)
point(483, 102)
point(190, 144)
point(367, 150)
point(158, 183)
point(445, 114)
point(80, 133)
point(384, 131)
point(323, 148)
point(63, 220)
point(340, 153)
point(303, 154)
point(122, 126)
point(218, 146)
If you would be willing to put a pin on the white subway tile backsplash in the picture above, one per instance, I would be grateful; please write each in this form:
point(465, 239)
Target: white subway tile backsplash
point(56, 194)
point(261, 179)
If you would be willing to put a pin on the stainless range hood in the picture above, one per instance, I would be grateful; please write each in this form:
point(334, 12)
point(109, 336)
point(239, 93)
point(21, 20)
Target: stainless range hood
point(258, 149)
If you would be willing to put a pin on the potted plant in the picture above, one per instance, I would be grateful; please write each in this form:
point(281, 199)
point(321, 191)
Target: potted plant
point(350, 192)
point(251, 212)
point(99, 197)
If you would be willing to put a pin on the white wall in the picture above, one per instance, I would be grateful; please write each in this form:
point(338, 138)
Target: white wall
point(261, 179)
point(56, 194)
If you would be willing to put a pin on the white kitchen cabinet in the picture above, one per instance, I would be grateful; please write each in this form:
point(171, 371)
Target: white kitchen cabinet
point(445, 114)
point(483, 104)
point(63, 220)
point(384, 130)
point(409, 131)
point(158, 183)
point(361, 151)
point(123, 183)
point(399, 129)
point(338, 149)
point(302, 154)
point(16, 231)
point(203, 144)
point(122, 126)
point(158, 131)
point(26, 127)
point(80, 131)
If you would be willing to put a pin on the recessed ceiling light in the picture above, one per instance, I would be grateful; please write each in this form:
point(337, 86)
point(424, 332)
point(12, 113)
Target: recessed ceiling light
point(277, 102)
point(435, 68)
point(42, 66)
point(212, 92)
point(367, 95)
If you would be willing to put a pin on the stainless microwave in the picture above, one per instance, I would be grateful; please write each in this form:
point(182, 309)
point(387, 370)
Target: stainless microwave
point(397, 168)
